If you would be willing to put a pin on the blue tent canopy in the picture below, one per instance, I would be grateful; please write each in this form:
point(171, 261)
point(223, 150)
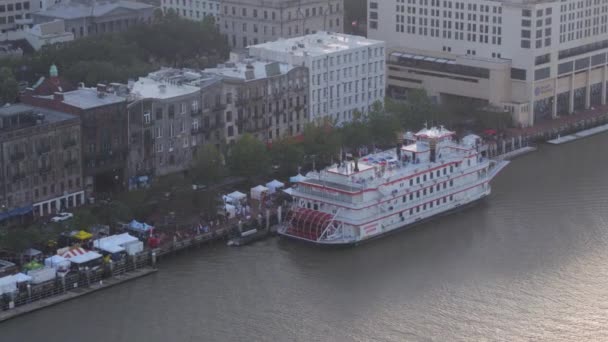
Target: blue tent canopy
point(140, 226)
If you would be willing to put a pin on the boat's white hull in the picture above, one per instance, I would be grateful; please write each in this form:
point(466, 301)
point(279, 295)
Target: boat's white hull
point(399, 226)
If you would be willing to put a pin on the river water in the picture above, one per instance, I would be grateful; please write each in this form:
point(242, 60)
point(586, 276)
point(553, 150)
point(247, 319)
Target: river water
point(530, 263)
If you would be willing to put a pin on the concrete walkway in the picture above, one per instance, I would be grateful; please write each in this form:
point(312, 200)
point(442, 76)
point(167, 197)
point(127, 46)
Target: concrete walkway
point(579, 135)
point(516, 153)
point(75, 293)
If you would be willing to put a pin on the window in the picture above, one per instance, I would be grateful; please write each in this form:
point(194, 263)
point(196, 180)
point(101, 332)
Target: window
point(159, 132)
point(183, 108)
point(159, 147)
point(147, 118)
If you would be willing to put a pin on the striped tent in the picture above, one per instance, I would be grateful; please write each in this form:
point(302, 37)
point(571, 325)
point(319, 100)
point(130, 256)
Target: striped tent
point(73, 252)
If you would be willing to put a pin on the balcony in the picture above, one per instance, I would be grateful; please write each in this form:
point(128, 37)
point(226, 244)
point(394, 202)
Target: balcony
point(69, 143)
point(70, 163)
point(218, 107)
point(44, 169)
point(17, 156)
point(18, 177)
point(42, 149)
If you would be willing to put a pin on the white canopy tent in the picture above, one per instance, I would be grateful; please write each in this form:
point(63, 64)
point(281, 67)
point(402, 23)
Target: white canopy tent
point(230, 210)
point(274, 186)
point(8, 284)
point(288, 191)
point(57, 262)
point(237, 195)
point(21, 278)
point(258, 191)
point(88, 256)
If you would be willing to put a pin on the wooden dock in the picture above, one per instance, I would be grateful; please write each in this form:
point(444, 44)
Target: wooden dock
point(75, 293)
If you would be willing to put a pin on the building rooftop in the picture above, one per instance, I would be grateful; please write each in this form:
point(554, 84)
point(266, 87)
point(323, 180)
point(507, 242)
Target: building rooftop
point(74, 10)
point(48, 115)
point(184, 76)
point(258, 69)
point(317, 44)
point(87, 98)
point(146, 87)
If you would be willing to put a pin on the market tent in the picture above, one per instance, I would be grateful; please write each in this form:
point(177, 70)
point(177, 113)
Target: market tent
point(140, 226)
point(288, 191)
point(57, 262)
point(21, 278)
point(230, 210)
point(7, 285)
point(31, 252)
point(258, 191)
point(274, 185)
point(88, 256)
point(297, 178)
point(237, 195)
point(72, 252)
point(227, 199)
point(82, 235)
point(33, 265)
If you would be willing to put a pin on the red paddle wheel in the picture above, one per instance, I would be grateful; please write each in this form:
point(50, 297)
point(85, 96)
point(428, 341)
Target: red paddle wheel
point(307, 223)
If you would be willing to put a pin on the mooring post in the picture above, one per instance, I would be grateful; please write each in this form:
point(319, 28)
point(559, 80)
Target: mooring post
point(154, 259)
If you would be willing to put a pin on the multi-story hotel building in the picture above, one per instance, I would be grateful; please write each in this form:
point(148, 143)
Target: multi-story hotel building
point(346, 73)
point(536, 59)
point(193, 9)
point(251, 22)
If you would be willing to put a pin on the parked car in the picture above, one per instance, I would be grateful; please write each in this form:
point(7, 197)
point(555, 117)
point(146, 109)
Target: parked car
point(62, 217)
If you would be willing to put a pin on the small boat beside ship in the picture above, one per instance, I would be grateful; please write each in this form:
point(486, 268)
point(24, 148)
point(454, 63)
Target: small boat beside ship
point(354, 201)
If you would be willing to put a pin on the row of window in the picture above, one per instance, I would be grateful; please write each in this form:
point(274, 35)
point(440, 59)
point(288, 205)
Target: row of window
point(15, 7)
point(431, 189)
point(428, 205)
point(298, 13)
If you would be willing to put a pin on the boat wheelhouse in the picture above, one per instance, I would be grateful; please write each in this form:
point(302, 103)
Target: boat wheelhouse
point(353, 201)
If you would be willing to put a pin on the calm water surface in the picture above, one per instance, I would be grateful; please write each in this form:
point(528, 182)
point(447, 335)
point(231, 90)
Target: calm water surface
point(528, 264)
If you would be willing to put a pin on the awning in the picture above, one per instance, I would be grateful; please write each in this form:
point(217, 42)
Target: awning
point(16, 212)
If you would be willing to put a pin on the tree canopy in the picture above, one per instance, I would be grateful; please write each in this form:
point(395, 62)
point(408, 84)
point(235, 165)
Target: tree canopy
point(117, 57)
point(8, 86)
point(207, 166)
point(249, 157)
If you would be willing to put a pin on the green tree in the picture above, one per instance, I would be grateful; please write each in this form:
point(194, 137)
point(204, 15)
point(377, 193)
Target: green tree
point(288, 154)
point(207, 167)
point(321, 142)
point(383, 126)
point(355, 133)
point(8, 86)
point(249, 157)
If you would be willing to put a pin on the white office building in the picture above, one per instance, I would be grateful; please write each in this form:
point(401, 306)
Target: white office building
point(538, 59)
point(346, 73)
point(193, 9)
